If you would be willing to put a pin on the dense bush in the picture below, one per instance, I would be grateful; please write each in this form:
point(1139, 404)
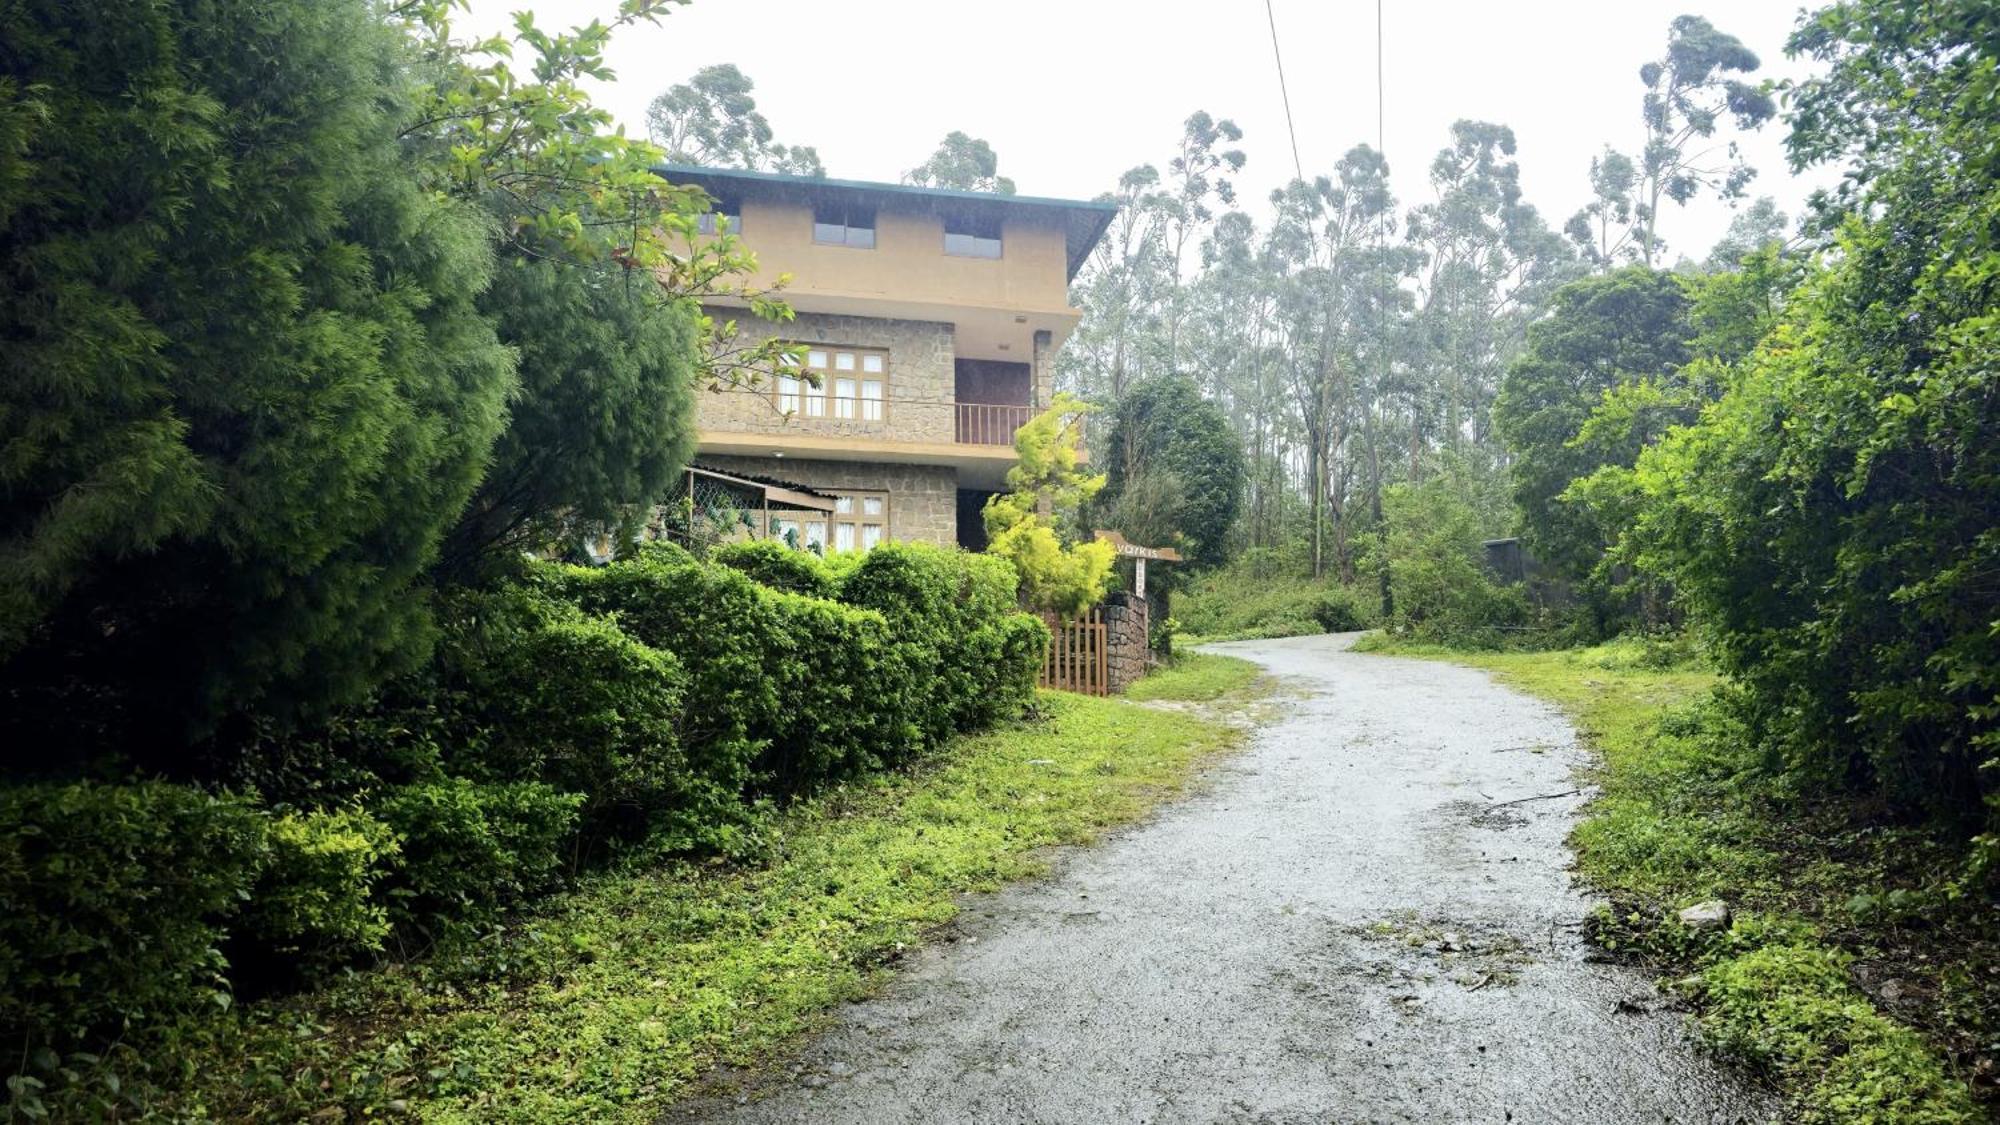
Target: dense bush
point(115, 900)
point(248, 388)
point(1429, 549)
point(470, 850)
point(1833, 523)
point(544, 692)
point(953, 612)
point(1263, 594)
point(1339, 609)
point(316, 901)
point(804, 689)
point(778, 566)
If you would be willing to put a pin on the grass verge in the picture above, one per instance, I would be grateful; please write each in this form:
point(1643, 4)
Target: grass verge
point(1851, 972)
point(605, 1004)
point(1196, 677)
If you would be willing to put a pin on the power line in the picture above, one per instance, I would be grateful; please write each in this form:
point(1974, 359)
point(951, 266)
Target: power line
point(1298, 167)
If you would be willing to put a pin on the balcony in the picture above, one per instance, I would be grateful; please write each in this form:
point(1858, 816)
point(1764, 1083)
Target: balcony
point(980, 423)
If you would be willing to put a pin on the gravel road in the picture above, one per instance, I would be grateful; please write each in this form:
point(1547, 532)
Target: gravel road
point(1349, 924)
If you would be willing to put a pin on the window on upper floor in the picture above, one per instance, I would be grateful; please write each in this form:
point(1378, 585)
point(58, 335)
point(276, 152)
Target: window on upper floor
point(972, 238)
point(729, 211)
point(853, 385)
point(837, 224)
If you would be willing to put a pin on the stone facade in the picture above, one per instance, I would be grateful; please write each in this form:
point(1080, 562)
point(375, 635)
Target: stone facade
point(919, 397)
point(923, 499)
point(1127, 638)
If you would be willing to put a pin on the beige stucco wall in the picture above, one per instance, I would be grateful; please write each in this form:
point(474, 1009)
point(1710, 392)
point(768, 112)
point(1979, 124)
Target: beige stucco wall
point(908, 261)
point(919, 399)
point(923, 499)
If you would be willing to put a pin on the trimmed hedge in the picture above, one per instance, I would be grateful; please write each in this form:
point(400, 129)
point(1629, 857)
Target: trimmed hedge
point(559, 710)
point(954, 612)
point(770, 563)
point(116, 896)
point(469, 851)
point(549, 693)
point(794, 690)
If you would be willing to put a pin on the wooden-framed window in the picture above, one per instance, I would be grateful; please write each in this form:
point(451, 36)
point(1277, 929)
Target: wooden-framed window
point(853, 385)
point(859, 521)
point(838, 224)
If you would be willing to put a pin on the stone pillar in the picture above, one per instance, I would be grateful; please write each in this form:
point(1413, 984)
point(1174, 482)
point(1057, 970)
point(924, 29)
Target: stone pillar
point(1044, 373)
point(1127, 626)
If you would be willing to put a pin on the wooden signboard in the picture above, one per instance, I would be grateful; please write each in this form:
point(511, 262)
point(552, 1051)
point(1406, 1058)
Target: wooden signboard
point(1139, 555)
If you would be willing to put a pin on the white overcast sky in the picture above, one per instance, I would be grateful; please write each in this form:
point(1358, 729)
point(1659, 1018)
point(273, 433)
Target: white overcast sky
point(1073, 92)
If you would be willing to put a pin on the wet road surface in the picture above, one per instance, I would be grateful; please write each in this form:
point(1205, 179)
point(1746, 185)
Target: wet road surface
point(1349, 925)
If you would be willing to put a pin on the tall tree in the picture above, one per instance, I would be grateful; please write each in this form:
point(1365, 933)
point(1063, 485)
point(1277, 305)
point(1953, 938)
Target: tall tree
point(1174, 470)
point(713, 119)
point(1618, 330)
point(1689, 91)
point(248, 387)
point(964, 163)
point(1602, 230)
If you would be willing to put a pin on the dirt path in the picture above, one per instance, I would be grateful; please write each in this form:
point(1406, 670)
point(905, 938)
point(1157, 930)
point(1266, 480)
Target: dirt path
point(1350, 925)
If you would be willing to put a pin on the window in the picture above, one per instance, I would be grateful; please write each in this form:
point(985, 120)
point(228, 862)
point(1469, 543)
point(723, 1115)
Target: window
point(728, 210)
point(844, 225)
point(972, 238)
point(853, 385)
point(860, 520)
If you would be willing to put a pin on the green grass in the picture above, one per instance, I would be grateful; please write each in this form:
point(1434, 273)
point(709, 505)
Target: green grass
point(606, 1004)
point(1242, 602)
point(1689, 812)
point(1196, 677)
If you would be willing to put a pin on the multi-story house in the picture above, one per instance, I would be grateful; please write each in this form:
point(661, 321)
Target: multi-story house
point(931, 319)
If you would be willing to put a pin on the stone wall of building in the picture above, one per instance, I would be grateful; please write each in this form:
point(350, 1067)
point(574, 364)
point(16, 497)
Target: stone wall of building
point(923, 499)
point(1127, 632)
point(919, 396)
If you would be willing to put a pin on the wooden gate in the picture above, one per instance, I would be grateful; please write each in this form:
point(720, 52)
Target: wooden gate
point(1079, 655)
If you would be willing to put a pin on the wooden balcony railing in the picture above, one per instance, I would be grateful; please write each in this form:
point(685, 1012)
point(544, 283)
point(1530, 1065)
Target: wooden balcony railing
point(990, 424)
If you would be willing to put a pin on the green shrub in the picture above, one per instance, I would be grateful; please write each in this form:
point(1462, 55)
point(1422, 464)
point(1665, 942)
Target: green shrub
point(773, 564)
point(558, 696)
point(1429, 548)
point(1264, 594)
point(470, 850)
point(316, 900)
point(951, 609)
point(808, 689)
point(115, 900)
point(1339, 610)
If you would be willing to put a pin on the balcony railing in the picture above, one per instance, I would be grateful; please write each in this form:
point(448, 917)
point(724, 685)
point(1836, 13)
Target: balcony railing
point(892, 417)
point(990, 424)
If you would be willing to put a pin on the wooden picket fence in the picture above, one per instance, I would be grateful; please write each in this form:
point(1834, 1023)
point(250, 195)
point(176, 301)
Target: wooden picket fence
point(1079, 657)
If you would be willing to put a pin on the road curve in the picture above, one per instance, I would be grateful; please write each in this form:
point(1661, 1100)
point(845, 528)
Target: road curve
point(1350, 924)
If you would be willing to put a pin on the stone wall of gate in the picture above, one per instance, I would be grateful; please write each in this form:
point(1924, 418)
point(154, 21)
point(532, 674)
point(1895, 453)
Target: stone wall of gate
point(1126, 632)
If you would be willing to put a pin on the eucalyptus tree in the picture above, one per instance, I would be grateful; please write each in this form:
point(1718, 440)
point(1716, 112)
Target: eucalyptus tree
point(962, 162)
point(1321, 237)
point(1488, 260)
point(713, 119)
point(1689, 91)
point(1602, 230)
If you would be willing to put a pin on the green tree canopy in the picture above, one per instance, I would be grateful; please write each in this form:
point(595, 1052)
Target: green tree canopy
point(604, 418)
point(1174, 469)
point(1834, 521)
point(963, 162)
point(1602, 333)
point(713, 119)
point(247, 386)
